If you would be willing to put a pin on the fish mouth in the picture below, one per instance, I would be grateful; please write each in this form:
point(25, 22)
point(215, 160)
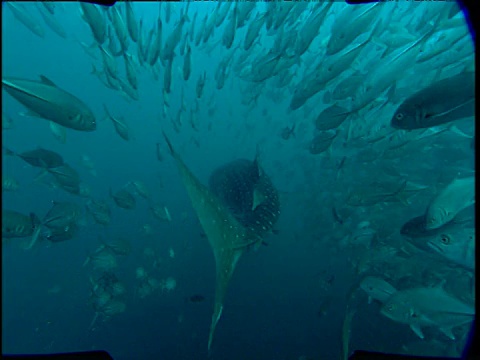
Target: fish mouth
point(435, 247)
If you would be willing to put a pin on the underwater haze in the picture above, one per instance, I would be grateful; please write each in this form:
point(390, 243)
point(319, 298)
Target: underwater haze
point(237, 180)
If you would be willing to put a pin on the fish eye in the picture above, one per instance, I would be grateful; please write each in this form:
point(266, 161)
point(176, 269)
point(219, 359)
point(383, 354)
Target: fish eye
point(445, 239)
point(399, 117)
point(390, 307)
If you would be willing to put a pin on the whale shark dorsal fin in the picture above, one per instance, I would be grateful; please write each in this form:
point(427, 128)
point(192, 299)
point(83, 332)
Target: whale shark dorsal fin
point(227, 237)
point(258, 198)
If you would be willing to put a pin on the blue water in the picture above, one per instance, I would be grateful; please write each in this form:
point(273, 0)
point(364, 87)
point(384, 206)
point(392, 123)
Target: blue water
point(273, 299)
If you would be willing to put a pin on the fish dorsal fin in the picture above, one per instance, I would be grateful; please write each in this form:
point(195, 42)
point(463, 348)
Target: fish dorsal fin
point(258, 198)
point(47, 81)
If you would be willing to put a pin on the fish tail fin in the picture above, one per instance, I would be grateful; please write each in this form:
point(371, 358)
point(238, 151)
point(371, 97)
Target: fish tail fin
point(35, 220)
point(9, 152)
point(167, 214)
point(94, 70)
point(401, 195)
point(170, 147)
point(40, 175)
point(107, 113)
point(458, 132)
point(36, 224)
point(92, 323)
point(87, 260)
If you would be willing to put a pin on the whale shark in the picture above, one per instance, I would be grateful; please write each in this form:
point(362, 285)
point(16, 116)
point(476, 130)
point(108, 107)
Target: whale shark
point(230, 226)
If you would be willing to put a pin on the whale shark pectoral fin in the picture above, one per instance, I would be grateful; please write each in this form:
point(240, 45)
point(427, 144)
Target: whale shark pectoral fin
point(217, 312)
point(225, 260)
point(227, 237)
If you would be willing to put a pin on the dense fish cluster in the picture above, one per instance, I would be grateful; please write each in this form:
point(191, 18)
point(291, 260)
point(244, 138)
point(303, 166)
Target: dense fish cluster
point(363, 118)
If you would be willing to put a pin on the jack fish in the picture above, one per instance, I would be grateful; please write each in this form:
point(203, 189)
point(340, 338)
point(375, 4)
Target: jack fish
point(44, 99)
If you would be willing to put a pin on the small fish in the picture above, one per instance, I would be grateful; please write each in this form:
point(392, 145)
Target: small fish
point(51, 22)
point(325, 306)
point(287, 132)
point(159, 153)
point(61, 234)
point(9, 183)
point(161, 212)
point(15, 224)
point(141, 189)
point(377, 289)
point(100, 211)
point(132, 25)
point(336, 217)
point(103, 260)
point(331, 118)
point(200, 85)
point(7, 122)
point(39, 157)
point(120, 126)
point(123, 199)
point(187, 63)
point(197, 298)
point(67, 177)
point(322, 142)
point(92, 16)
point(374, 194)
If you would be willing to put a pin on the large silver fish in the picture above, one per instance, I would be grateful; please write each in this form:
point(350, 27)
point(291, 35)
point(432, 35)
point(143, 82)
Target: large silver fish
point(94, 18)
point(18, 225)
point(26, 19)
point(442, 102)
point(377, 289)
point(39, 157)
point(456, 246)
point(457, 196)
point(44, 99)
point(15, 224)
point(427, 307)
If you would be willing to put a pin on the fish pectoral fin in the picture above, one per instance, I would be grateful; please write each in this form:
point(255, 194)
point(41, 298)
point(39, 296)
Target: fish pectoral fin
point(403, 198)
point(29, 113)
point(41, 174)
point(47, 81)
point(416, 329)
point(77, 118)
point(448, 332)
point(35, 236)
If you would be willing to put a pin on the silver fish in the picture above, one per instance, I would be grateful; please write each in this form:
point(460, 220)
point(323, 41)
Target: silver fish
point(443, 101)
point(458, 246)
point(426, 307)
point(377, 289)
point(458, 195)
point(44, 99)
point(24, 17)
